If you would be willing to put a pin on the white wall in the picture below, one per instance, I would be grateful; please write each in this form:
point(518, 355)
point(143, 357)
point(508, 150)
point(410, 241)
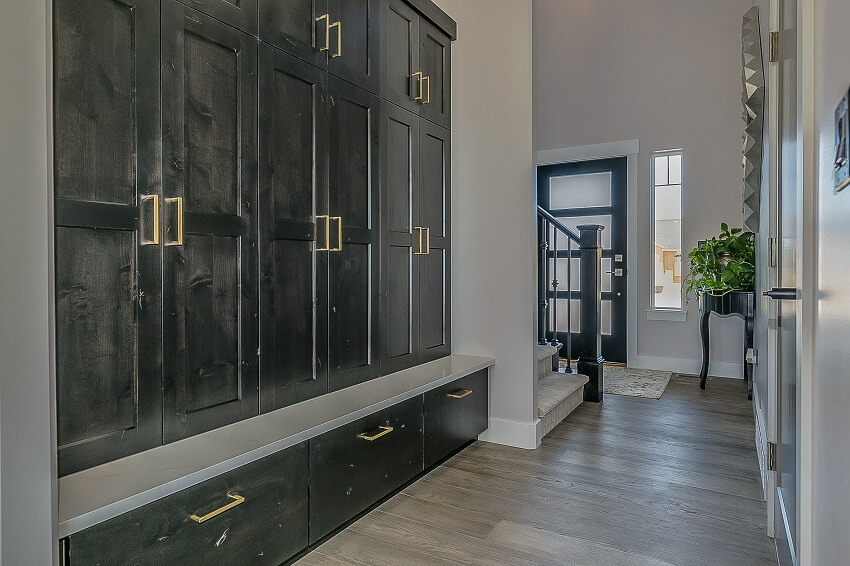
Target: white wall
point(666, 72)
point(830, 386)
point(493, 222)
point(27, 486)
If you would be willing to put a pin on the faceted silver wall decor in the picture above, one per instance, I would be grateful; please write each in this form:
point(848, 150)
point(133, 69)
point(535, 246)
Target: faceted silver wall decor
point(753, 98)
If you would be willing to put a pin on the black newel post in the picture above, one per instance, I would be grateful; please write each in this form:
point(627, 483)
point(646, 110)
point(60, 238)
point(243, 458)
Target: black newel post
point(590, 357)
point(543, 249)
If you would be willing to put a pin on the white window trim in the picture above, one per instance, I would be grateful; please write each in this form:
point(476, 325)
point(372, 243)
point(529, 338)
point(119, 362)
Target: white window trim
point(653, 312)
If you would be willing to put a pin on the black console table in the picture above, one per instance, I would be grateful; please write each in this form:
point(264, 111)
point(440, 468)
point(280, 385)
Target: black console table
point(736, 303)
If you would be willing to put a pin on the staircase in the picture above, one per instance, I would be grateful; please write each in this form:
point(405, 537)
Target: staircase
point(558, 394)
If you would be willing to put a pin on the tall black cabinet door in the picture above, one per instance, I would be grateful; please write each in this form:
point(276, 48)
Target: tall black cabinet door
point(435, 263)
point(298, 27)
point(355, 42)
point(293, 192)
point(353, 269)
point(435, 60)
point(400, 54)
point(399, 238)
point(107, 179)
point(210, 326)
point(241, 14)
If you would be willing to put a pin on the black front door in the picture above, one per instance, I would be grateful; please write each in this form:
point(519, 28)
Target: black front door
point(589, 192)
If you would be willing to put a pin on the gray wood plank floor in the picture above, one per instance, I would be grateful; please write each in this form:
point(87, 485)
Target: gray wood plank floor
point(629, 482)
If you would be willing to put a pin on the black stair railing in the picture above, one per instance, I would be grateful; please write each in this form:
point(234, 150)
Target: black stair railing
point(556, 241)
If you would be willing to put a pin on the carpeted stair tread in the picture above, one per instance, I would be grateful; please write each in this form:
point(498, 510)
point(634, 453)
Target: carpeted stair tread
point(554, 388)
point(545, 351)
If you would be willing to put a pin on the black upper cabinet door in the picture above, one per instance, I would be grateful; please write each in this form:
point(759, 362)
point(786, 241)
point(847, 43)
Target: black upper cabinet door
point(355, 40)
point(107, 179)
point(353, 204)
point(293, 192)
point(241, 14)
point(298, 27)
point(399, 238)
point(209, 124)
point(435, 60)
point(435, 263)
point(400, 55)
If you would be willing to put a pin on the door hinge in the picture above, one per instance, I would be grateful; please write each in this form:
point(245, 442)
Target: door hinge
point(774, 46)
point(771, 252)
point(771, 457)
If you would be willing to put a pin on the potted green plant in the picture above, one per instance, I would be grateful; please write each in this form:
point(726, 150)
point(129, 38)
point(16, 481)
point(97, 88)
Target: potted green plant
point(722, 264)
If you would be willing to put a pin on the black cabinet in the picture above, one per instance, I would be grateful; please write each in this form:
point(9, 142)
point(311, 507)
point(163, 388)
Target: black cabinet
point(241, 14)
point(435, 62)
point(416, 277)
point(342, 36)
point(355, 465)
point(210, 322)
point(355, 230)
point(455, 414)
point(294, 221)
point(108, 185)
point(255, 515)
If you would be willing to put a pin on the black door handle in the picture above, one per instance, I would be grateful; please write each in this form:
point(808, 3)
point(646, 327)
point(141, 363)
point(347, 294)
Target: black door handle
point(783, 294)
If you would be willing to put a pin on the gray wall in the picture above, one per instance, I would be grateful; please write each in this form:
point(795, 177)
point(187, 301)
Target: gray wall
point(493, 221)
point(27, 486)
point(667, 72)
point(831, 383)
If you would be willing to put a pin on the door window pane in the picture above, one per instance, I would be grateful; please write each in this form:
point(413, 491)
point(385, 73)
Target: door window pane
point(580, 191)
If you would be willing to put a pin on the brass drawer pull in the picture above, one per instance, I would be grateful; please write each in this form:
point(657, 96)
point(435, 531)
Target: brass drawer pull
point(327, 231)
point(338, 219)
point(327, 18)
point(418, 75)
point(428, 96)
point(338, 27)
point(237, 500)
point(178, 241)
point(460, 393)
point(155, 239)
point(372, 436)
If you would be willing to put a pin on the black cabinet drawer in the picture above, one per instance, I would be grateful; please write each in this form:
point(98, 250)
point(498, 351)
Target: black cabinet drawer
point(455, 414)
point(264, 521)
point(355, 465)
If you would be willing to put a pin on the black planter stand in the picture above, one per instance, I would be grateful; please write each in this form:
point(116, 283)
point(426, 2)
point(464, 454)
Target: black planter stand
point(736, 303)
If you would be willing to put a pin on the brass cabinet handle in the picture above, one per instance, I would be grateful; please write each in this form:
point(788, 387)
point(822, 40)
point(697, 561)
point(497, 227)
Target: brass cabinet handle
point(427, 79)
point(385, 430)
point(180, 229)
point(327, 246)
point(418, 75)
point(155, 239)
point(428, 241)
point(327, 18)
point(460, 394)
point(338, 219)
point(420, 248)
point(338, 27)
point(237, 500)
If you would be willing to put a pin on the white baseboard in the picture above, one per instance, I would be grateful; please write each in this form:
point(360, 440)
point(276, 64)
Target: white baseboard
point(513, 433)
point(691, 367)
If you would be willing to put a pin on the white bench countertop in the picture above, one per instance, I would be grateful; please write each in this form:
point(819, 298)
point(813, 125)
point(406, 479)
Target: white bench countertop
point(98, 494)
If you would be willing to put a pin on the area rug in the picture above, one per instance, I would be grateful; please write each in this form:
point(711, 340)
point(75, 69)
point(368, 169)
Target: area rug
point(648, 383)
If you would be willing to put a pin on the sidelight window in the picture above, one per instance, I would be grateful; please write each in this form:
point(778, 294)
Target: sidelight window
point(667, 179)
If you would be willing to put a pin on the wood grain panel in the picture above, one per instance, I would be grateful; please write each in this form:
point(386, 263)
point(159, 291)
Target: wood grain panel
point(95, 101)
point(399, 269)
point(400, 54)
point(359, 60)
point(96, 333)
point(435, 60)
point(291, 25)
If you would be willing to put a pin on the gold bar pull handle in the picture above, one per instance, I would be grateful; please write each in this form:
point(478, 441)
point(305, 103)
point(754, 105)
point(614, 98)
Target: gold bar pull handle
point(338, 27)
point(427, 79)
point(374, 435)
point(427, 241)
point(177, 241)
point(460, 393)
point(338, 220)
point(237, 500)
point(327, 233)
point(327, 20)
point(418, 76)
point(420, 250)
point(154, 240)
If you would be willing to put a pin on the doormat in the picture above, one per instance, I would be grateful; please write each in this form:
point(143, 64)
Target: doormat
point(646, 383)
